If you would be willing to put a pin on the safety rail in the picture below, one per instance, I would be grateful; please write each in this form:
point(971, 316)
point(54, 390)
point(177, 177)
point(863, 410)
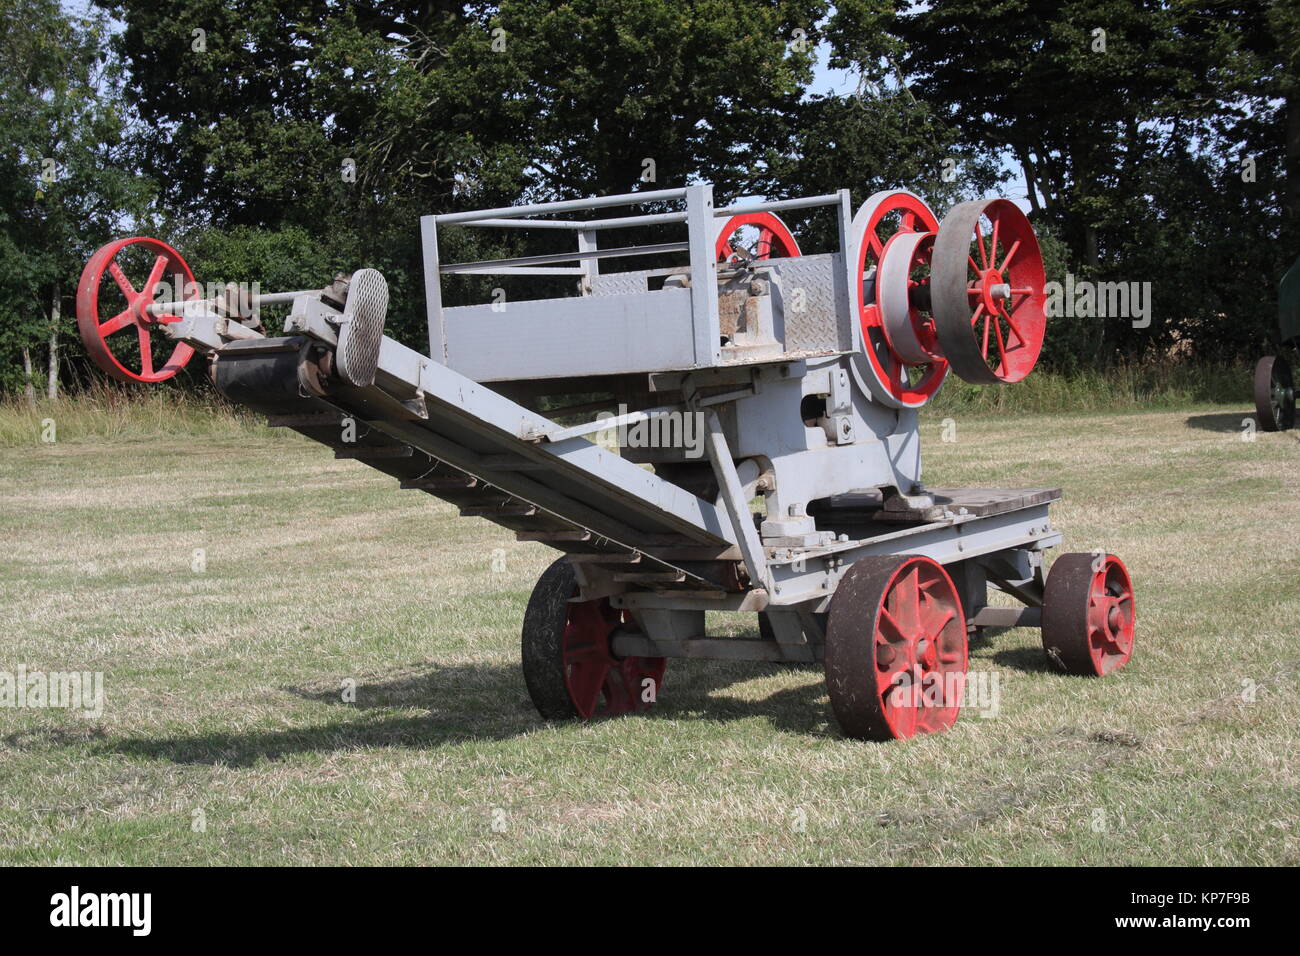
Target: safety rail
point(700, 217)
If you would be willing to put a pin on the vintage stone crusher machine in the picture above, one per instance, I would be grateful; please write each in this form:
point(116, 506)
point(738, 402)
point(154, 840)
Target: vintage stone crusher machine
point(788, 384)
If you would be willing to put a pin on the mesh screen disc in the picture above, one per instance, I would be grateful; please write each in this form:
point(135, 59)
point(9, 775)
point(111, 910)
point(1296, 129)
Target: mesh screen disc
point(363, 327)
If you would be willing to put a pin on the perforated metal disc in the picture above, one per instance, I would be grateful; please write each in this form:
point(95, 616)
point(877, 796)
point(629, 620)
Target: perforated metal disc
point(363, 327)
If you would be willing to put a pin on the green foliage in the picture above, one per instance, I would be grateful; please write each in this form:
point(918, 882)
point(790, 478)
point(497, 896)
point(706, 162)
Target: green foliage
point(1130, 122)
point(1122, 387)
point(66, 176)
point(109, 411)
point(281, 141)
point(288, 258)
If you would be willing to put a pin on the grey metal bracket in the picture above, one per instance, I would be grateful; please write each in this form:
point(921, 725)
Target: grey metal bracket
point(733, 496)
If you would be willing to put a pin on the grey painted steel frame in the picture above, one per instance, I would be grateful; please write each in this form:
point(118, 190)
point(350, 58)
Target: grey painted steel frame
point(755, 425)
point(701, 218)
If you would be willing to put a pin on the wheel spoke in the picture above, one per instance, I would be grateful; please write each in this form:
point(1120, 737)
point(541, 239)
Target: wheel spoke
point(122, 281)
point(119, 321)
point(984, 348)
point(146, 351)
point(581, 651)
point(934, 630)
point(909, 596)
point(1015, 247)
point(155, 274)
point(887, 617)
point(618, 697)
point(887, 679)
point(979, 241)
point(901, 707)
point(585, 684)
point(1002, 346)
point(1006, 314)
point(993, 245)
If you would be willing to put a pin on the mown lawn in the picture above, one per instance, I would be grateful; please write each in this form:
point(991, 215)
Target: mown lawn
point(225, 737)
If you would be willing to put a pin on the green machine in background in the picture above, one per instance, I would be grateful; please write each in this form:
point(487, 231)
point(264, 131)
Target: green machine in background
point(1274, 386)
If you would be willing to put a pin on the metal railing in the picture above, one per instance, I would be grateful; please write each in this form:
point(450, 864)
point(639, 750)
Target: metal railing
point(699, 216)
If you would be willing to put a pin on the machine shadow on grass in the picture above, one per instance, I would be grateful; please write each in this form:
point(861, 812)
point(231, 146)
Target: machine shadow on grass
point(1229, 423)
point(1030, 660)
point(1226, 422)
point(483, 702)
point(466, 702)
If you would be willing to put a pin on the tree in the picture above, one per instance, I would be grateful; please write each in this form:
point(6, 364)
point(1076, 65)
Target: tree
point(349, 121)
point(1129, 122)
point(65, 168)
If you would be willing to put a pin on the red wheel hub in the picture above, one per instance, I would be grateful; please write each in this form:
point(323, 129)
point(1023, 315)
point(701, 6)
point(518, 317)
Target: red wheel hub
point(593, 675)
point(774, 239)
point(902, 377)
point(129, 312)
point(1111, 618)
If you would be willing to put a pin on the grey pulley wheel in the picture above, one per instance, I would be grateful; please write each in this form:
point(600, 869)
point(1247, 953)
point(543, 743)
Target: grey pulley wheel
point(987, 292)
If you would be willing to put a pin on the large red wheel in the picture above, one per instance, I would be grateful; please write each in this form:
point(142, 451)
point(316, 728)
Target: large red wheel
point(893, 220)
point(896, 651)
point(125, 306)
point(1088, 614)
point(568, 665)
point(988, 292)
point(774, 240)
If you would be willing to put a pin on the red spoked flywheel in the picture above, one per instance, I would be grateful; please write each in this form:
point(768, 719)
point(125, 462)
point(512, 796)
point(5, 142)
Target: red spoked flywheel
point(122, 306)
point(892, 258)
point(988, 291)
point(774, 241)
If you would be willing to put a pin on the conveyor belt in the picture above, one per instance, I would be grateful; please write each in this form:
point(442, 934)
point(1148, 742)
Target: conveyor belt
point(573, 495)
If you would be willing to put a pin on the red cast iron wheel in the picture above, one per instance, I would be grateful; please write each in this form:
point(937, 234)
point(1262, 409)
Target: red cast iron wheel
point(95, 331)
point(896, 651)
point(987, 290)
point(568, 666)
point(881, 218)
point(1088, 614)
point(775, 240)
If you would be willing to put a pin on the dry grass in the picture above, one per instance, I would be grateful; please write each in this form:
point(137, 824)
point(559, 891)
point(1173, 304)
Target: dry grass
point(223, 685)
point(107, 411)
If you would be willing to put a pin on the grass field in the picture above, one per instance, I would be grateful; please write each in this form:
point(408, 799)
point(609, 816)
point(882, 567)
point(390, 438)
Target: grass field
point(225, 737)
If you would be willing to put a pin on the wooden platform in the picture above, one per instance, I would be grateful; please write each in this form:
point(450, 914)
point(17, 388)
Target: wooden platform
point(857, 507)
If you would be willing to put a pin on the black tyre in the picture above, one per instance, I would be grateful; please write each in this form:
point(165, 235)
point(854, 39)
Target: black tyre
point(1274, 394)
